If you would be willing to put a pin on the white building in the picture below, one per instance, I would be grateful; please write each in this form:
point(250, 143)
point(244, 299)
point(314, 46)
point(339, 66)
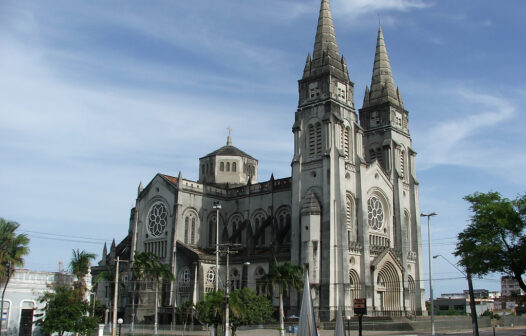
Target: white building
point(21, 299)
point(349, 213)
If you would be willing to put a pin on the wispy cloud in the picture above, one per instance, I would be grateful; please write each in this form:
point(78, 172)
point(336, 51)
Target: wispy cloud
point(472, 139)
point(359, 7)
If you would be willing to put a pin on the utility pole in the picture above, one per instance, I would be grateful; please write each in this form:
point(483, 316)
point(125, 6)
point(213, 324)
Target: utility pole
point(228, 251)
point(115, 297)
point(430, 272)
point(472, 307)
point(217, 207)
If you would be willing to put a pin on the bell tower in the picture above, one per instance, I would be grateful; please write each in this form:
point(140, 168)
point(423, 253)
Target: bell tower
point(325, 152)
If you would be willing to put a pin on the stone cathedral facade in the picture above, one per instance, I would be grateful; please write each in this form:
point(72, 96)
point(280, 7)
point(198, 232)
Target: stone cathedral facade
point(349, 213)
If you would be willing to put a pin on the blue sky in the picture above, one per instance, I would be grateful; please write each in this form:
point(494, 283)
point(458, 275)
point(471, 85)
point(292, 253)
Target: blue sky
point(96, 96)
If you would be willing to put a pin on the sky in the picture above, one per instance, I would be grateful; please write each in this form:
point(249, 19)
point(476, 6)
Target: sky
point(97, 96)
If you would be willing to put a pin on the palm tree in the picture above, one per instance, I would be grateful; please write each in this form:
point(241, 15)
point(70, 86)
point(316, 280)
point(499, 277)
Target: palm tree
point(80, 264)
point(13, 248)
point(285, 277)
point(148, 266)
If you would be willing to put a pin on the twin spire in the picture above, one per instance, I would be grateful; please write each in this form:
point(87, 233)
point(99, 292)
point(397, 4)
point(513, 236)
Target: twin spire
point(326, 56)
point(383, 87)
point(326, 59)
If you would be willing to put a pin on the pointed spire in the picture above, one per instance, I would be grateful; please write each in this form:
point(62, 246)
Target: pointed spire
point(326, 56)
point(104, 251)
point(383, 88)
point(140, 188)
point(325, 35)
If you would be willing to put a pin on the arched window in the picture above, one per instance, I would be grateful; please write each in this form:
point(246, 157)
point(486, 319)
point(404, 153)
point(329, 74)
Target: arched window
point(375, 213)
point(212, 229)
point(283, 218)
point(260, 283)
point(352, 230)
point(412, 293)
point(235, 279)
point(259, 228)
point(234, 167)
point(192, 233)
point(186, 222)
point(407, 225)
point(222, 166)
point(190, 223)
point(228, 166)
point(354, 285)
point(235, 225)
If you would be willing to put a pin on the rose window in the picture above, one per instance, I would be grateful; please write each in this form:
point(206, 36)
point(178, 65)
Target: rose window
point(211, 275)
point(375, 213)
point(157, 219)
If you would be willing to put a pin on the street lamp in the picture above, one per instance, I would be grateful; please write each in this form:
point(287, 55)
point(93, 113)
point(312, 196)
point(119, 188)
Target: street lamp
point(116, 297)
point(472, 307)
point(217, 207)
point(119, 321)
point(429, 215)
point(348, 325)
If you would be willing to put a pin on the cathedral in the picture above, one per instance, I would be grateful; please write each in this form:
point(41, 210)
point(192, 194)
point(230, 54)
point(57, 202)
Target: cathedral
point(349, 213)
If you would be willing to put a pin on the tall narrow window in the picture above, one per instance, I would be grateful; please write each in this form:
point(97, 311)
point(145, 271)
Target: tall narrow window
point(222, 166)
point(186, 222)
point(192, 233)
point(234, 167)
point(228, 166)
point(346, 142)
point(379, 156)
point(312, 140)
point(318, 138)
point(402, 162)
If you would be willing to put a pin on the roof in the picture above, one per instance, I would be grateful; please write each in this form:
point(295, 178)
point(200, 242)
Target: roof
point(229, 150)
point(170, 179)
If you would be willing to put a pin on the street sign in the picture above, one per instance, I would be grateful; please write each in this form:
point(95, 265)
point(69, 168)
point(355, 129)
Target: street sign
point(360, 306)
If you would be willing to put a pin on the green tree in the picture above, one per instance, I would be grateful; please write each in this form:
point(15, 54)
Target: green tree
point(494, 240)
point(13, 248)
point(211, 308)
point(147, 266)
point(248, 308)
point(80, 264)
point(65, 310)
point(285, 277)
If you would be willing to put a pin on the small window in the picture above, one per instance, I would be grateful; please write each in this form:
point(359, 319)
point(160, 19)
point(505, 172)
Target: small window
point(234, 167)
point(228, 166)
point(222, 166)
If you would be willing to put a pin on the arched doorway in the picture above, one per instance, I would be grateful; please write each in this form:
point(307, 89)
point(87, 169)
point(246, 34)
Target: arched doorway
point(388, 289)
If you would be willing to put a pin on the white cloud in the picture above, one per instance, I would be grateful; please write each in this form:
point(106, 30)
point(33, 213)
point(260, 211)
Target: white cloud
point(473, 139)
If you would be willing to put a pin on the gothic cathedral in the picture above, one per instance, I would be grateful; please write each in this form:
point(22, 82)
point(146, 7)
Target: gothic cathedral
point(349, 214)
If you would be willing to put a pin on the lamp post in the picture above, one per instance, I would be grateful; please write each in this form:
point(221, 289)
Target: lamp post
point(217, 207)
point(429, 215)
point(348, 325)
point(472, 307)
point(119, 321)
point(228, 251)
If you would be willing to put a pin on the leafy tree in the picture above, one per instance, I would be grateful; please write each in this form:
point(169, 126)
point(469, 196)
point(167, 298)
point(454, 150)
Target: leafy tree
point(494, 241)
point(13, 248)
point(285, 277)
point(66, 310)
point(211, 308)
point(248, 308)
point(147, 266)
point(185, 313)
point(80, 263)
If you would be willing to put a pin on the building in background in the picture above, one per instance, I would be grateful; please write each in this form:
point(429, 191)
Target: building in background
point(349, 213)
point(21, 299)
